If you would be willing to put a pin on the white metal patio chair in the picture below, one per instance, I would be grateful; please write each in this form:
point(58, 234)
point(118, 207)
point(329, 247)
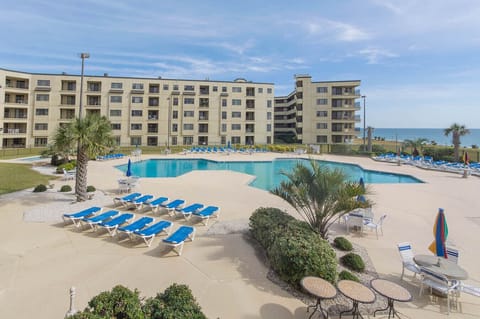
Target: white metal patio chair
point(376, 226)
point(441, 284)
point(406, 252)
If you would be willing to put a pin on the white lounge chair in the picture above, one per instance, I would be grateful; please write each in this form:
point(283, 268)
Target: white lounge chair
point(406, 252)
point(67, 176)
point(206, 213)
point(177, 239)
point(440, 283)
point(149, 233)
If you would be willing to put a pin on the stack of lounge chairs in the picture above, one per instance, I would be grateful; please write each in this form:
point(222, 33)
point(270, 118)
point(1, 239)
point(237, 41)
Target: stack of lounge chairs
point(126, 225)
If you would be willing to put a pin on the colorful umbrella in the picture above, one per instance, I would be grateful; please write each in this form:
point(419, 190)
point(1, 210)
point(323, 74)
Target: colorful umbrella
point(129, 168)
point(440, 231)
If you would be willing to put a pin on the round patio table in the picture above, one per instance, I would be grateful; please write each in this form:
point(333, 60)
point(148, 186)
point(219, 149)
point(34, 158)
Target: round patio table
point(442, 266)
point(393, 292)
point(358, 293)
point(321, 289)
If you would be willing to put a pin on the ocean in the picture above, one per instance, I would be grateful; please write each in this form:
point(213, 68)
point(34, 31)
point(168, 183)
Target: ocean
point(431, 134)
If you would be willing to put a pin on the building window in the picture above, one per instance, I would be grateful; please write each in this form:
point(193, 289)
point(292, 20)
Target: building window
point(322, 113)
point(174, 114)
point(187, 127)
point(165, 87)
point(41, 141)
point(41, 126)
point(117, 85)
point(43, 82)
point(136, 140)
point(116, 126)
point(137, 113)
point(260, 90)
point(188, 113)
point(236, 114)
point(43, 97)
point(269, 115)
point(153, 88)
point(174, 127)
point(153, 101)
point(175, 101)
point(224, 102)
point(235, 139)
point(269, 90)
point(41, 112)
point(94, 86)
point(189, 88)
point(174, 140)
point(116, 140)
point(224, 89)
point(137, 99)
point(322, 126)
point(224, 127)
point(269, 127)
point(188, 100)
point(224, 115)
point(269, 140)
point(137, 86)
point(322, 89)
point(116, 99)
point(236, 127)
point(236, 89)
point(215, 88)
point(322, 101)
point(187, 140)
point(135, 126)
point(175, 87)
point(115, 112)
point(236, 102)
point(269, 103)
point(322, 139)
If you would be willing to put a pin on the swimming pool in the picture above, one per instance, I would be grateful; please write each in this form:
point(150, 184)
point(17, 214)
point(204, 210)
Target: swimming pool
point(267, 172)
point(33, 159)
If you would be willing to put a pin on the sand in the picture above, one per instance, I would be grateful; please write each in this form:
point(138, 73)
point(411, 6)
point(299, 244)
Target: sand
point(41, 258)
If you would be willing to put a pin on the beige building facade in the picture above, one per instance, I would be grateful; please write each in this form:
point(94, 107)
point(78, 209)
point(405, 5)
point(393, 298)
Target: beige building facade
point(318, 112)
point(143, 111)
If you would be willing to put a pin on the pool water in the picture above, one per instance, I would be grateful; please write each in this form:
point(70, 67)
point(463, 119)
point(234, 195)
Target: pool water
point(268, 173)
point(32, 159)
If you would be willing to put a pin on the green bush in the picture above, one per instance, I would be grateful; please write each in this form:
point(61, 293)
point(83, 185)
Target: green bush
point(353, 262)
point(65, 188)
point(343, 244)
point(67, 166)
point(293, 248)
point(40, 188)
point(346, 275)
point(91, 188)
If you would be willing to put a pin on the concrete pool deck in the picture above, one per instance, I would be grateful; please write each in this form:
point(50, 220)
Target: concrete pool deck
point(40, 261)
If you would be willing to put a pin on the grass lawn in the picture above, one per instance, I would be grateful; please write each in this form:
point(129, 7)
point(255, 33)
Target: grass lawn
point(15, 177)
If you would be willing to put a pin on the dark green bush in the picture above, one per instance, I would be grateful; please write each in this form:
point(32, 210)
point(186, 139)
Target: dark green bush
point(343, 244)
point(439, 153)
point(346, 275)
point(353, 262)
point(293, 248)
point(57, 160)
point(40, 188)
point(65, 188)
point(91, 188)
point(121, 302)
point(67, 166)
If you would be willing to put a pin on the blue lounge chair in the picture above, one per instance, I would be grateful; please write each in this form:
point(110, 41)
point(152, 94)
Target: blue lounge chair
point(76, 217)
point(124, 199)
point(136, 225)
point(95, 220)
point(112, 225)
point(187, 211)
point(156, 203)
point(139, 202)
point(149, 233)
point(173, 205)
point(177, 239)
point(207, 212)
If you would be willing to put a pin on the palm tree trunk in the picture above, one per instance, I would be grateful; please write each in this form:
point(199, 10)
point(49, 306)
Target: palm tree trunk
point(81, 177)
point(456, 145)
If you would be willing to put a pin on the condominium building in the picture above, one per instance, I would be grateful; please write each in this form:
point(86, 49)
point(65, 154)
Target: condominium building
point(318, 112)
point(143, 111)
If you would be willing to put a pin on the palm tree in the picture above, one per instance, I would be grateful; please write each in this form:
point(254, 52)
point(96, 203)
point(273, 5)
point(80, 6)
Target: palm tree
point(416, 143)
point(457, 131)
point(91, 136)
point(319, 195)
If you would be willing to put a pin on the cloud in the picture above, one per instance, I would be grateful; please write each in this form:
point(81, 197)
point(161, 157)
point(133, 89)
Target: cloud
point(374, 55)
point(335, 30)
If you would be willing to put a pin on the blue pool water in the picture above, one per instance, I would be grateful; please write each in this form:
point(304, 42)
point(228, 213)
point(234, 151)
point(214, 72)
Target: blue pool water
point(32, 159)
point(267, 173)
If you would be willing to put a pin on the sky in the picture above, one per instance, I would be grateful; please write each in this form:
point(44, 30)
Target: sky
point(418, 61)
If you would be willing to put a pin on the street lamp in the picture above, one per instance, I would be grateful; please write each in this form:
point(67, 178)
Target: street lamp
point(364, 120)
point(83, 56)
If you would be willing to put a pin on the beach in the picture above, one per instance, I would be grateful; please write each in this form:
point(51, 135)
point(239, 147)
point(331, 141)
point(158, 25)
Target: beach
point(41, 258)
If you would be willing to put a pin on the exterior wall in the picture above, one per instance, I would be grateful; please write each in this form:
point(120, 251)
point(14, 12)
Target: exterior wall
point(318, 112)
point(155, 112)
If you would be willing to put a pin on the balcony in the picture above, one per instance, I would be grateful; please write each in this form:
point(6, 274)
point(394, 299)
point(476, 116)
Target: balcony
point(43, 88)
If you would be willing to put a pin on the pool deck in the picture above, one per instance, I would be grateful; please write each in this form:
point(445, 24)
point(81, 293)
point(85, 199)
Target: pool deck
point(40, 261)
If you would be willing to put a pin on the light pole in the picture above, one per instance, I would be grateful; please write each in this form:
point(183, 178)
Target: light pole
point(83, 56)
point(364, 120)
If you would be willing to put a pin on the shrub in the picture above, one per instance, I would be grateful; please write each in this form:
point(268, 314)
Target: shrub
point(65, 188)
point(343, 244)
point(346, 275)
point(40, 188)
point(91, 188)
point(266, 222)
point(353, 262)
point(67, 166)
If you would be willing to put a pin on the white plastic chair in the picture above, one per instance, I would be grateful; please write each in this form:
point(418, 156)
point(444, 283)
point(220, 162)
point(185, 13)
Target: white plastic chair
point(406, 252)
point(67, 175)
point(452, 254)
point(376, 226)
point(440, 283)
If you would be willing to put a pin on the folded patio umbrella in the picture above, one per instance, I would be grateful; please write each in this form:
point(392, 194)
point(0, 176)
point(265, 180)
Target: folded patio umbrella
point(465, 158)
point(129, 169)
point(440, 232)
